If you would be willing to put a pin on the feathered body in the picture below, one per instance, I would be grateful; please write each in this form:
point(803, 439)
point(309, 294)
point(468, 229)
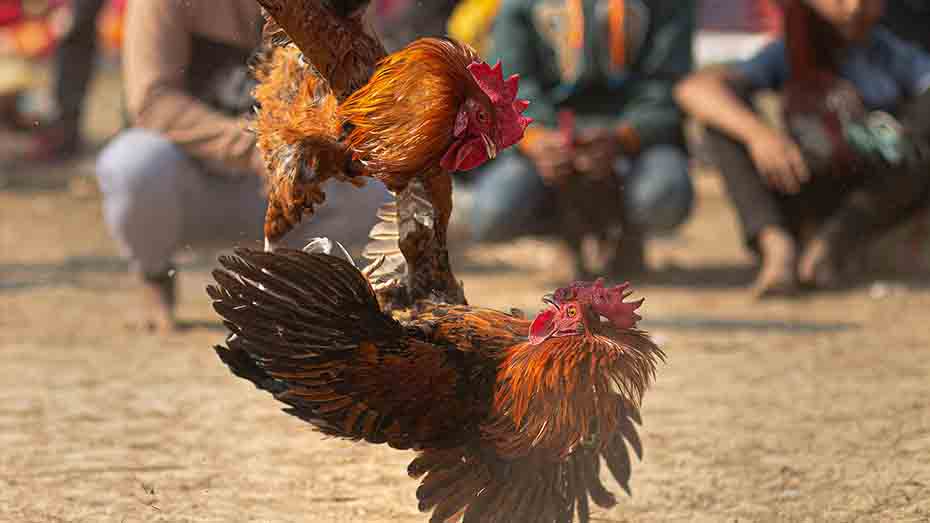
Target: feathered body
point(818, 102)
point(399, 124)
point(511, 418)
point(333, 105)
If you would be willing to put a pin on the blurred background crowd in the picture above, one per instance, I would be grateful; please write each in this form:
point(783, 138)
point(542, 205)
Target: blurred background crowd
point(815, 113)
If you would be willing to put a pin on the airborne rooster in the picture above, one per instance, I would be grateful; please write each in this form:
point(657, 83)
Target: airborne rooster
point(511, 419)
point(334, 106)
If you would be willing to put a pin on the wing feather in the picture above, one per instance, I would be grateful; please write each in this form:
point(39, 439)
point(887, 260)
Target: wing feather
point(346, 53)
point(307, 327)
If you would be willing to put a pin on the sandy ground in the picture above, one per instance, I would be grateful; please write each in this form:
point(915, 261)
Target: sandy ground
point(804, 410)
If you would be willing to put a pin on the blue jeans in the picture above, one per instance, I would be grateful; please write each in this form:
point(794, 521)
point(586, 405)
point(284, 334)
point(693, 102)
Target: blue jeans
point(511, 200)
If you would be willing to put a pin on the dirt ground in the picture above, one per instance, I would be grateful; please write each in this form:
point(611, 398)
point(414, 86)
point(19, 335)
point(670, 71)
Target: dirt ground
point(804, 410)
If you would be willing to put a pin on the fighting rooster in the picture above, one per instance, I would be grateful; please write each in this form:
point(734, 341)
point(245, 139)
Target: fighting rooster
point(333, 105)
point(511, 419)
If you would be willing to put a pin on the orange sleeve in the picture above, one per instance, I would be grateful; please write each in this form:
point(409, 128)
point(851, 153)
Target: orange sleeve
point(628, 138)
point(530, 136)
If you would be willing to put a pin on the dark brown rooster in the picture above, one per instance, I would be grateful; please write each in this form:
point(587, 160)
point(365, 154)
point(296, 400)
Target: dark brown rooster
point(333, 105)
point(511, 419)
point(818, 103)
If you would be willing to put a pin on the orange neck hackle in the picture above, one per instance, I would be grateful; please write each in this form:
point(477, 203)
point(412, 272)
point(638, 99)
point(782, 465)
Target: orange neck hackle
point(564, 384)
point(403, 119)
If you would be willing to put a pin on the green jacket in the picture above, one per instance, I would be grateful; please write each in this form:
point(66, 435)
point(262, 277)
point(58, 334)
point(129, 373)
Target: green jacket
point(605, 74)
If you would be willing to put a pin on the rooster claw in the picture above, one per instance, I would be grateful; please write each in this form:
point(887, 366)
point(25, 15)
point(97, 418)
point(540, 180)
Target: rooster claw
point(373, 266)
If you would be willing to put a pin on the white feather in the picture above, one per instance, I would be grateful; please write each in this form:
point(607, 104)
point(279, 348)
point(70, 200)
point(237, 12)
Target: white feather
point(326, 246)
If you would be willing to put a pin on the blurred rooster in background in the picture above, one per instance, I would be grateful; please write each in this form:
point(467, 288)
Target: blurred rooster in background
point(825, 112)
point(511, 418)
point(819, 105)
point(333, 105)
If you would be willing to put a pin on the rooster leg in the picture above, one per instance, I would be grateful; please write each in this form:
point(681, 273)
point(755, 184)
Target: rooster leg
point(375, 265)
point(439, 187)
point(423, 242)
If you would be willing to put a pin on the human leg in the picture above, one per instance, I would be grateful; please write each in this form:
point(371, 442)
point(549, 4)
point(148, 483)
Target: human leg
point(658, 193)
point(764, 225)
point(509, 200)
point(74, 64)
point(657, 196)
point(139, 176)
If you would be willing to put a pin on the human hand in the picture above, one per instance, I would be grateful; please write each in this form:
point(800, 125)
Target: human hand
point(597, 150)
point(551, 155)
point(779, 161)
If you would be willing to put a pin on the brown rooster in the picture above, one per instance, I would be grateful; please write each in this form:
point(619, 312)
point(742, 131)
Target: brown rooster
point(511, 419)
point(334, 105)
point(818, 103)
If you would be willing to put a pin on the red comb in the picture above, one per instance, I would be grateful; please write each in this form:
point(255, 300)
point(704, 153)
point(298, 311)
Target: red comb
point(503, 94)
point(606, 301)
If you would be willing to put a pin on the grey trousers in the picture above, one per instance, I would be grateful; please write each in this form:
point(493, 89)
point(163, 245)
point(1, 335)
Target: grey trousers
point(157, 200)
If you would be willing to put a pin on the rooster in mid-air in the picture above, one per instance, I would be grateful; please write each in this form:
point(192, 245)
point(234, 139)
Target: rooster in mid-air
point(334, 105)
point(511, 419)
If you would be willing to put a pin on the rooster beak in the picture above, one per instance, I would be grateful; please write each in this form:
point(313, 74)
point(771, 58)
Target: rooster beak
point(489, 146)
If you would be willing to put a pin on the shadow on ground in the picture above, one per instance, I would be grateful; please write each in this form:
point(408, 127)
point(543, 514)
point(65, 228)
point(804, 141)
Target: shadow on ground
point(724, 276)
point(699, 323)
point(71, 271)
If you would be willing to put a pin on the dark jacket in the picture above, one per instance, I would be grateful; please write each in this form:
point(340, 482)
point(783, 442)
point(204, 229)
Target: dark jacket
point(617, 61)
point(909, 20)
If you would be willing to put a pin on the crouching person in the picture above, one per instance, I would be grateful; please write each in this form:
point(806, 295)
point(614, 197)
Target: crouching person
point(187, 172)
point(599, 76)
point(853, 161)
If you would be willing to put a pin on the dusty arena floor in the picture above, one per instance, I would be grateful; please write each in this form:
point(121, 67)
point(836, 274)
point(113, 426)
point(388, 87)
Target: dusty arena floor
point(803, 410)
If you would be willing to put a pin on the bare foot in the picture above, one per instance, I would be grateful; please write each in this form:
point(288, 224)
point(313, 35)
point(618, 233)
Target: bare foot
point(777, 275)
point(158, 299)
point(817, 267)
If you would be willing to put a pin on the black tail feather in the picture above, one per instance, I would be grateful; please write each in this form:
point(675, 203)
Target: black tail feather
point(242, 365)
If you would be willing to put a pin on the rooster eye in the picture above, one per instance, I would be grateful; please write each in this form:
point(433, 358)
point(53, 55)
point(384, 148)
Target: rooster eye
point(571, 312)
